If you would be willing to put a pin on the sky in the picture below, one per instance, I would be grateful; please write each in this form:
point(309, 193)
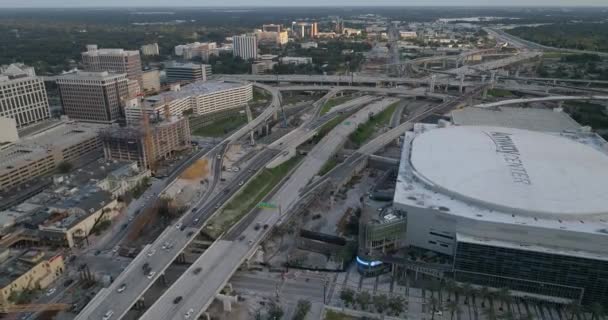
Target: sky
point(274, 3)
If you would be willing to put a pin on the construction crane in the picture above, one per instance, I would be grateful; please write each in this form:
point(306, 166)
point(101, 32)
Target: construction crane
point(148, 140)
point(22, 308)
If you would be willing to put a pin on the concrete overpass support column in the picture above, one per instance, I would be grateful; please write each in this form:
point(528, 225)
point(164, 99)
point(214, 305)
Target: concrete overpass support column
point(445, 63)
point(492, 78)
point(432, 83)
point(249, 119)
point(461, 85)
point(163, 280)
point(485, 93)
point(206, 316)
point(140, 304)
point(425, 64)
point(483, 78)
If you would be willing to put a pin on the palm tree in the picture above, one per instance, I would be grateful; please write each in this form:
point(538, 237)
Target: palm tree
point(453, 307)
point(597, 311)
point(503, 295)
point(484, 293)
point(433, 307)
point(466, 290)
point(489, 313)
point(574, 308)
point(450, 285)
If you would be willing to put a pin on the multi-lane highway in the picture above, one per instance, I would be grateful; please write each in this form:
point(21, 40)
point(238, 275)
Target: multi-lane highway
point(221, 260)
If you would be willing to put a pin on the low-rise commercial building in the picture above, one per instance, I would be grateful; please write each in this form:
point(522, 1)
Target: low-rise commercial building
point(196, 49)
point(150, 49)
point(40, 153)
point(264, 66)
point(295, 60)
point(188, 72)
point(27, 270)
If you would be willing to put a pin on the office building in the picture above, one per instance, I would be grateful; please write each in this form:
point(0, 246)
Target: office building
point(166, 137)
point(93, 96)
point(113, 60)
point(198, 98)
point(271, 28)
point(245, 46)
point(27, 270)
point(196, 49)
point(39, 153)
point(188, 72)
point(150, 81)
point(149, 49)
point(22, 95)
point(264, 66)
point(271, 37)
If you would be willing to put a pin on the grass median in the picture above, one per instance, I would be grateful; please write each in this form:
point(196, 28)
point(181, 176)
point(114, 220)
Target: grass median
point(334, 102)
point(221, 127)
point(248, 197)
point(365, 131)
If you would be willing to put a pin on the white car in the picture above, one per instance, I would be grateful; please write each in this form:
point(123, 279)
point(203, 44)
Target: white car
point(108, 315)
point(121, 288)
point(178, 225)
point(51, 291)
point(151, 252)
point(151, 274)
point(189, 313)
point(115, 249)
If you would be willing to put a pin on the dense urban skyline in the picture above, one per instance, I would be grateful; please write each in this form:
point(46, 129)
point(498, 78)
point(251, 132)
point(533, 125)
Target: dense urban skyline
point(291, 3)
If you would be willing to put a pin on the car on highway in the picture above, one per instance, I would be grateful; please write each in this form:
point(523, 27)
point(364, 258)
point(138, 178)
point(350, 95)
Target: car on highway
point(151, 252)
point(68, 282)
point(108, 315)
point(217, 206)
point(97, 252)
point(241, 183)
point(197, 270)
point(151, 274)
point(177, 299)
point(257, 226)
point(50, 292)
point(116, 249)
point(178, 225)
point(121, 288)
point(189, 314)
point(241, 238)
point(190, 233)
point(193, 210)
point(196, 220)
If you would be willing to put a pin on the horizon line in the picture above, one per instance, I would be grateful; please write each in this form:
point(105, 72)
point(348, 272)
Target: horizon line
point(311, 6)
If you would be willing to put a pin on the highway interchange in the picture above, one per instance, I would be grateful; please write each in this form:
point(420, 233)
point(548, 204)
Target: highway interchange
point(219, 262)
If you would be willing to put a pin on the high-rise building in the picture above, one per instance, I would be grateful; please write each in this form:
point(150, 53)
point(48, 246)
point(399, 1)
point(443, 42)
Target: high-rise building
point(22, 95)
point(93, 96)
point(271, 37)
point(187, 72)
point(113, 60)
point(150, 49)
point(245, 46)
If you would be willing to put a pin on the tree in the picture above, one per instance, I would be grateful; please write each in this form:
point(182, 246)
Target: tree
point(597, 311)
point(396, 304)
point(466, 290)
point(64, 167)
point(302, 309)
point(574, 308)
point(347, 296)
point(505, 297)
point(434, 306)
point(363, 299)
point(380, 303)
point(484, 294)
point(275, 312)
point(453, 307)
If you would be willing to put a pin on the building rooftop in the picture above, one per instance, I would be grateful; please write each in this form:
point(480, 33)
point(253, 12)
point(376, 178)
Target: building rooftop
point(188, 65)
point(39, 144)
point(20, 262)
point(530, 173)
point(196, 88)
point(90, 75)
point(455, 188)
point(111, 52)
point(519, 118)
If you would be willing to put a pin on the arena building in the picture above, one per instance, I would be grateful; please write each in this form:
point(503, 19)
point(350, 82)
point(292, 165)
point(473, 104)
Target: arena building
point(513, 208)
